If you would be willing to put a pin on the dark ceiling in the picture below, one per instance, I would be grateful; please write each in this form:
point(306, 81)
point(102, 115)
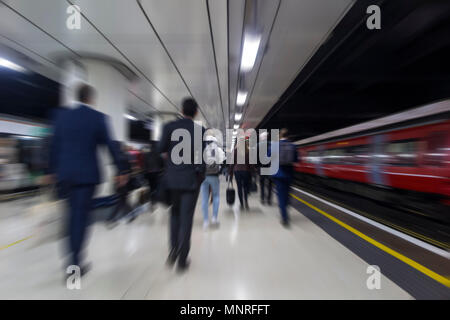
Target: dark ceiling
point(360, 74)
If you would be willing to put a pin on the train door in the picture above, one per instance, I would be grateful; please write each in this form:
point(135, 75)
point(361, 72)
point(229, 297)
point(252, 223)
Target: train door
point(319, 161)
point(375, 164)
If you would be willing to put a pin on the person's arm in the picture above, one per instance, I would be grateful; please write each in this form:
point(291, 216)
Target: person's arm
point(54, 150)
point(163, 145)
point(106, 139)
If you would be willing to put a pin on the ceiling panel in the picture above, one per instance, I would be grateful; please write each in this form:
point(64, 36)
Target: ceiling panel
point(196, 49)
point(184, 29)
point(219, 24)
point(259, 19)
point(137, 41)
point(15, 28)
point(87, 40)
point(235, 24)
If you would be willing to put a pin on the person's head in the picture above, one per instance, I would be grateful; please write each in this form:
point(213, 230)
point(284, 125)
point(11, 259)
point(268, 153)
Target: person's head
point(86, 94)
point(284, 133)
point(189, 108)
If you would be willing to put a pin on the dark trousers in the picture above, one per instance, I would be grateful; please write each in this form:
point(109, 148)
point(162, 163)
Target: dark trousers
point(80, 204)
point(243, 179)
point(153, 178)
point(282, 185)
point(182, 214)
point(263, 180)
point(122, 206)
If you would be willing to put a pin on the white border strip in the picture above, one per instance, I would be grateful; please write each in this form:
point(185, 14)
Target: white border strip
point(410, 114)
point(406, 237)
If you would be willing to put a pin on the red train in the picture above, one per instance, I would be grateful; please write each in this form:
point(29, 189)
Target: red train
point(406, 164)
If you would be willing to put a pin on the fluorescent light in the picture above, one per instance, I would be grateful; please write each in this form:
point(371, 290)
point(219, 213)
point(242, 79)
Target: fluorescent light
point(237, 116)
point(236, 126)
point(130, 117)
point(27, 137)
point(11, 65)
point(241, 97)
point(249, 51)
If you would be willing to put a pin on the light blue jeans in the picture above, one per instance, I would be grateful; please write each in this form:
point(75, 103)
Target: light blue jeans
point(212, 181)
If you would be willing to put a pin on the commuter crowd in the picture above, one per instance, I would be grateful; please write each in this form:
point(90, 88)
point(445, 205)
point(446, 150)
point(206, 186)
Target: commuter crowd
point(74, 169)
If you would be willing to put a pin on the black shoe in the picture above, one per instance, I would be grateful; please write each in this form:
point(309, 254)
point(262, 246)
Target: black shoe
point(111, 224)
point(85, 268)
point(171, 259)
point(183, 266)
point(285, 223)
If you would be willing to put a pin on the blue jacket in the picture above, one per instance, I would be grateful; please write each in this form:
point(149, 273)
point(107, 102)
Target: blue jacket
point(285, 171)
point(73, 149)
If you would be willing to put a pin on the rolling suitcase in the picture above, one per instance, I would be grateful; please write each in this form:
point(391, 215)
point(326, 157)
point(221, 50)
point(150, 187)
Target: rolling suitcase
point(231, 193)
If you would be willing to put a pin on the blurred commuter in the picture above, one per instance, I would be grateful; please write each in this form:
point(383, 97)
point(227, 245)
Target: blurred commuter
point(133, 156)
point(140, 158)
point(182, 182)
point(74, 164)
point(122, 207)
point(265, 181)
point(287, 156)
point(214, 156)
point(154, 167)
point(242, 170)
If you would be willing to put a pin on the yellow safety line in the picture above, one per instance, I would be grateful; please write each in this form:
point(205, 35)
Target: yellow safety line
point(439, 278)
point(16, 242)
point(394, 226)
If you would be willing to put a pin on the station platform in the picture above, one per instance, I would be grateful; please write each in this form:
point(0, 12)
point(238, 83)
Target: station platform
point(250, 256)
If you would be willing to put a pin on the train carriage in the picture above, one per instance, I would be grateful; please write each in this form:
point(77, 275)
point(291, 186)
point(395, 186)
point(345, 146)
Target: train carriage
point(405, 163)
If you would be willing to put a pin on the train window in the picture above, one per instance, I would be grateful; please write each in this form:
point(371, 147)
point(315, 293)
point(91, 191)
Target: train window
point(401, 153)
point(334, 156)
point(357, 155)
point(312, 157)
point(436, 150)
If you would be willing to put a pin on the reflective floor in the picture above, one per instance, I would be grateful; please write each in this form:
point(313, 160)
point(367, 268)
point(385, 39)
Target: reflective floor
point(250, 256)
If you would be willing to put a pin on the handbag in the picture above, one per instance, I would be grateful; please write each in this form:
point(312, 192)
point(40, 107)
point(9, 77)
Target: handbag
point(231, 193)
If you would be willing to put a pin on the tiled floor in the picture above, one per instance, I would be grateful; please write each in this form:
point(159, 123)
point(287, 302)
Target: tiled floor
point(249, 257)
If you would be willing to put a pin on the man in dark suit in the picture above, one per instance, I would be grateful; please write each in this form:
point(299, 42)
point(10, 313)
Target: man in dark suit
point(74, 164)
point(182, 179)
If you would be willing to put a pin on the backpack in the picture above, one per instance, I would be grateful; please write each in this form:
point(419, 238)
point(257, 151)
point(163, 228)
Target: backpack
point(213, 168)
point(287, 153)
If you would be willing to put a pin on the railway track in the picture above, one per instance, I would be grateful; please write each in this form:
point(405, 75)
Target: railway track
point(417, 225)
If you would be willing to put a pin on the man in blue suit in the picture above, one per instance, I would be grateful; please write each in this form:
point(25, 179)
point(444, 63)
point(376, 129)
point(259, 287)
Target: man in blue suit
point(74, 164)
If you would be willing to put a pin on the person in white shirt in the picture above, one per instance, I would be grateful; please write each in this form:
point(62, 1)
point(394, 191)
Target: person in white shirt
point(214, 157)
